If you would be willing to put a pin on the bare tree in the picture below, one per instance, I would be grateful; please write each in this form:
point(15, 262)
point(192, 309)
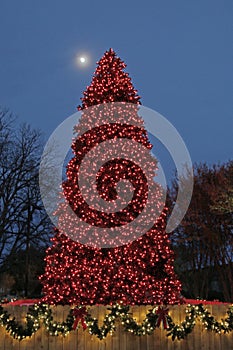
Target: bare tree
point(23, 220)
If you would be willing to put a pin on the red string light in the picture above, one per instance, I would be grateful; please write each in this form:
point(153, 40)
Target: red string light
point(140, 272)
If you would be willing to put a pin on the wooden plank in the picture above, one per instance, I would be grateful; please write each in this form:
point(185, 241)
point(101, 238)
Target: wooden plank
point(115, 338)
point(71, 337)
point(27, 344)
point(225, 340)
point(167, 343)
point(211, 335)
point(178, 315)
point(140, 314)
point(41, 339)
point(130, 341)
point(218, 312)
point(18, 313)
point(91, 341)
point(205, 335)
point(58, 316)
point(197, 335)
point(82, 339)
point(134, 341)
point(69, 341)
point(123, 337)
point(151, 339)
point(15, 345)
point(154, 341)
point(2, 336)
point(8, 341)
point(189, 341)
point(101, 344)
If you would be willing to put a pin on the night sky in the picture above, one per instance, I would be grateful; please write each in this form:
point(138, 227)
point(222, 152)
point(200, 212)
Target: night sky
point(179, 55)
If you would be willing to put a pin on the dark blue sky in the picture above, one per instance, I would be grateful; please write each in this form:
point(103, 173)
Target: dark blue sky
point(179, 55)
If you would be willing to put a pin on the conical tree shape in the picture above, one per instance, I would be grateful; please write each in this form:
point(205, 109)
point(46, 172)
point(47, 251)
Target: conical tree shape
point(110, 83)
point(140, 271)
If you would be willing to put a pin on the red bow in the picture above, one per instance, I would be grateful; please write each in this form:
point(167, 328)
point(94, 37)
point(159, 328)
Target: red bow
point(162, 313)
point(79, 313)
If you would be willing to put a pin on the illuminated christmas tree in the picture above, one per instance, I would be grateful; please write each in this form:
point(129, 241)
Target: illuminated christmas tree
point(133, 268)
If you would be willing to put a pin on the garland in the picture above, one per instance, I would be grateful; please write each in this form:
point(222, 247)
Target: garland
point(38, 314)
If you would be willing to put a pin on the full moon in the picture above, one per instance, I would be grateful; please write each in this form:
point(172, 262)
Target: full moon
point(82, 59)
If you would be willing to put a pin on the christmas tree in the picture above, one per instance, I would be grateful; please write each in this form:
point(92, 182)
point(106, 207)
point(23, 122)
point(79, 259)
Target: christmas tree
point(130, 267)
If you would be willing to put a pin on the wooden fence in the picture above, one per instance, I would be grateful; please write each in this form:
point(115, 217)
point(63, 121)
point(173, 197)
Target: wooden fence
point(199, 339)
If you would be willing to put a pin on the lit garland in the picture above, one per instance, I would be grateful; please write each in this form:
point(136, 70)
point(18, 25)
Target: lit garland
point(39, 314)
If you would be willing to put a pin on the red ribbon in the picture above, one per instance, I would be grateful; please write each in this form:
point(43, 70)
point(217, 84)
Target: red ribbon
point(79, 313)
point(162, 313)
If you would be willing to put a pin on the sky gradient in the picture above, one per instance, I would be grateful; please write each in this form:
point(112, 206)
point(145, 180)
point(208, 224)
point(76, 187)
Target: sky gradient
point(179, 55)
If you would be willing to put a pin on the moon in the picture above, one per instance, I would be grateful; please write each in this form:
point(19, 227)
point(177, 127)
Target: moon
point(82, 59)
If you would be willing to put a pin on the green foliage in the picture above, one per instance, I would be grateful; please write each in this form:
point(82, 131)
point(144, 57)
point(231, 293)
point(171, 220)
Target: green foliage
point(38, 314)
